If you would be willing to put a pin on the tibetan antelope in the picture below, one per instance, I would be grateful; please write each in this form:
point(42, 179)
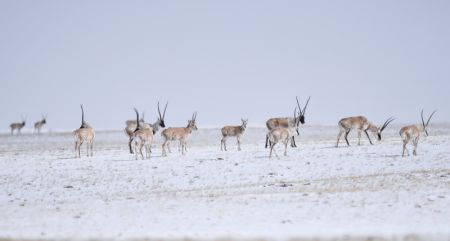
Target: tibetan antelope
point(84, 134)
point(276, 135)
point(178, 133)
point(38, 125)
point(360, 123)
point(159, 123)
point(141, 137)
point(288, 122)
point(236, 131)
point(18, 126)
point(412, 132)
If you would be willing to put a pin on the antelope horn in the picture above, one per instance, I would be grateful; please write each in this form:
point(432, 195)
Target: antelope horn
point(307, 102)
point(423, 122)
point(165, 108)
point(298, 105)
point(388, 121)
point(159, 112)
point(82, 115)
point(429, 118)
point(137, 118)
point(302, 112)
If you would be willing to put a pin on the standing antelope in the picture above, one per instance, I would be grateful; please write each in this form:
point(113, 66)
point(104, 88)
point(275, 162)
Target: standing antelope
point(288, 122)
point(276, 135)
point(82, 134)
point(236, 131)
point(413, 132)
point(360, 123)
point(131, 126)
point(38, 125)
point(178, 133)
point(18, 126)
point(142, 136)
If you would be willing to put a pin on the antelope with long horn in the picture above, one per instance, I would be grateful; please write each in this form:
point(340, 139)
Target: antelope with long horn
point(288, 122)
point(361, 124)
point(39, 124)
point(142, 137)
point(412, 132)
point(159, 123)
point(178, 133)
point(236, 131)
point(84, 134)
point(18, 126)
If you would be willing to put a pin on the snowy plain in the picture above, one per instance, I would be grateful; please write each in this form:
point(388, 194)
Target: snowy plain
point(317, 192)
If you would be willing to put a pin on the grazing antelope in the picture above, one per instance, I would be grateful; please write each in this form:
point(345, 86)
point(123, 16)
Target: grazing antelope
point(360, 123)
point(84, 134)
point(288, 122)
point(276, 135)
point(38, 125)
point(413, 132)
point(178, 133)
point(18, 126)
point(142, 137)
point(236, 131)
point(131, 126)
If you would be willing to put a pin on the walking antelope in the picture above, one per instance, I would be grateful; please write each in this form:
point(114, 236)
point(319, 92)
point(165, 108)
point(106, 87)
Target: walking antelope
point(276, 135)
point(360, 123)
point(412, 132)
point(141, 137)
point(18, 126)
point(84, 134)
point(288, 122)
point(178, 133)
point(236, 131)
point(132, 125)
point(38, 125)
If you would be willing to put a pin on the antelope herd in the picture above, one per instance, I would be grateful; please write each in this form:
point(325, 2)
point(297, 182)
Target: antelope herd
point(280, 129)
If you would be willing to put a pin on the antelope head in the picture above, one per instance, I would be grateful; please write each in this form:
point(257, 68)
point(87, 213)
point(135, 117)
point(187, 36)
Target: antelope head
point(24, 120)
point(191, 122)
point(302, 111)
point(381, 128)
point(44, 119)
point(161, 117)
point(425, 125)
point(244, 123)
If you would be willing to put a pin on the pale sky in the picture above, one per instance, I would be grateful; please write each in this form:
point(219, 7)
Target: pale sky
point(224, 59)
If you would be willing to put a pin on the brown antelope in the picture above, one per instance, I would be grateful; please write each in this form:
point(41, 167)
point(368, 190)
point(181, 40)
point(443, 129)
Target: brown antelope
point(360, 123)
point(131, 126)
point(141, 137)
point(236, 131)
point(38, 125)
point(288, 122)
point(84, 134)
point(18, 126)
point(412, 132)
point(178, 133)
point(276, 135)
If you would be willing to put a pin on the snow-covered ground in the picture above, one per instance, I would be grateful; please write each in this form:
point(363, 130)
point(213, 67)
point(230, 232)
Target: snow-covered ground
point(317, 191)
